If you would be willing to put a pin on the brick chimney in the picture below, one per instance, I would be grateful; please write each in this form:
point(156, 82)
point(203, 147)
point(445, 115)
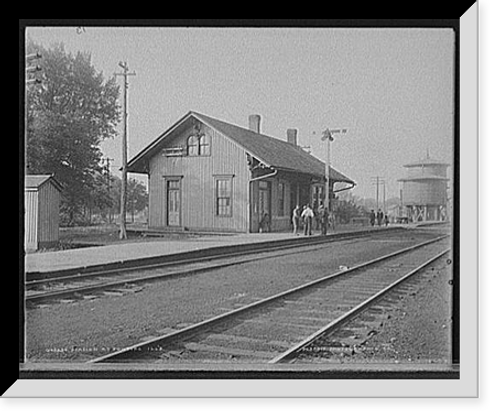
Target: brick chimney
point(254, 123)
point(291, 136)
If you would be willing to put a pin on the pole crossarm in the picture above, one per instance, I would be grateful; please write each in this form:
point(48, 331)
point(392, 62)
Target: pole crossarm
point(328, 134)
point(32, 69)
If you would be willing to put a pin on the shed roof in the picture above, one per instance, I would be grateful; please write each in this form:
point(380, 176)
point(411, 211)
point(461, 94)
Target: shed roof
point(274, 152)
point(34, 182)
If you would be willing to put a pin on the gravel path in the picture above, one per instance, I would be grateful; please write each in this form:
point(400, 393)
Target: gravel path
point(84, 329)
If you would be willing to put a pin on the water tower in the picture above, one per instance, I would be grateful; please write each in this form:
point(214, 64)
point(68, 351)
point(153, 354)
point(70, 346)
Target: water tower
point(424, 195)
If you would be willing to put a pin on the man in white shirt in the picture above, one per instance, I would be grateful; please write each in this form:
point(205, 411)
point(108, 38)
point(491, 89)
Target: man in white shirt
point(307, 215)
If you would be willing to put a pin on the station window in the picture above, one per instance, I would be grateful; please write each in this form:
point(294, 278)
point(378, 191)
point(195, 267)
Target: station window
point(281, 199)
point(193, 146)
point(198, 145)
point(204, 145)
point(223, 199)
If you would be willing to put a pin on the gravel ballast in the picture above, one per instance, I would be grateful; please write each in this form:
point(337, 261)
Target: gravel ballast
point(77, 331)
point(412, 325)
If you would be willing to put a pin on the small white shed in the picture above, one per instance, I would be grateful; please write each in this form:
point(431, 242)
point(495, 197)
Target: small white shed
point(42, 196)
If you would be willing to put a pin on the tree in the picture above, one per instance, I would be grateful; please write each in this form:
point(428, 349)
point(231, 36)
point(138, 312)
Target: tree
point(137, 197)
point(348, 206)
point(68, 115)
point(101, 198)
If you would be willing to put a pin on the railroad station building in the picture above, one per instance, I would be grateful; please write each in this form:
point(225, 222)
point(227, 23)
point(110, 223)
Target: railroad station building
point(205, 174)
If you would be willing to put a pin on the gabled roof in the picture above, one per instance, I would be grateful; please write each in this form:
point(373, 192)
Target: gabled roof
point(276, 153)
point(34, 182)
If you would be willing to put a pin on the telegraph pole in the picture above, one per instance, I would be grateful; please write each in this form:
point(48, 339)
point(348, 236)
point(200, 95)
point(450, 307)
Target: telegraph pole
point(108, 183)
point(123, 201)
point(33, 69)
point(379, 181)
point(383, 205)
point(328, 136)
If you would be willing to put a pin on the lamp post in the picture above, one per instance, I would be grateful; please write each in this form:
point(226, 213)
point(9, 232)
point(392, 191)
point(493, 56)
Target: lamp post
point(328, 137)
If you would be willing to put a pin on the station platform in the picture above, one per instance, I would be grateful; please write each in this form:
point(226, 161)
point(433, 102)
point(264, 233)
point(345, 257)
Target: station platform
point(149, 248)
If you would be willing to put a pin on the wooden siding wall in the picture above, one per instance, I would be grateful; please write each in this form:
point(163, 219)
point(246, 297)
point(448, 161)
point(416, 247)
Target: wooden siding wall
point(31, 219)
point(198, 184)
point(425, 192)
point(41, 218)
point(48, 224)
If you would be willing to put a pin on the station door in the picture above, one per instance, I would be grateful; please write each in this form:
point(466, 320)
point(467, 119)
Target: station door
point(173, 203)
point(264, 203)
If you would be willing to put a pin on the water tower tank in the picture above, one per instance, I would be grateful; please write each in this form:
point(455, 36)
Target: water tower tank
point(424, 194)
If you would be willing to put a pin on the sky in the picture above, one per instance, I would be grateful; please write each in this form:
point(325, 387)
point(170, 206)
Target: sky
point(391, 88)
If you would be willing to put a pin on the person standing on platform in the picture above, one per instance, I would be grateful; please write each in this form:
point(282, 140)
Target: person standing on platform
point(325, 218)
point(331, 219)
point(319, 217)
point(296, 219)
point(380, 217)
point(307, 215)
point(372, 218)
point(264, 225)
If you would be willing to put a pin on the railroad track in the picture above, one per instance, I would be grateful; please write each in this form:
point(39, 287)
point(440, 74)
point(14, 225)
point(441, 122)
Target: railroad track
point(222, 252)
point(128, 280)
point(275, 329)
point(123, 281)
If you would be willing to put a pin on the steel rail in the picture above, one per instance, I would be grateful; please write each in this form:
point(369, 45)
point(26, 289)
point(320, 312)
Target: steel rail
point(182, 272)
point(348, 316)
point(36, 297)
point(259, 248)
point(79, 277)
point(193, 329)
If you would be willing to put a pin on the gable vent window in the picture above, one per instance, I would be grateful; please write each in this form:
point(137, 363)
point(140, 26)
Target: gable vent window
point(198, 145)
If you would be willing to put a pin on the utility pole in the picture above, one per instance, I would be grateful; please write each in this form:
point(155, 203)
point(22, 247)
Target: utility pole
point(328, 136)
point(383, 205)
point(107, 171)
point(33, 69)
point(377, 180)
point(30, 70)
point(123, 200)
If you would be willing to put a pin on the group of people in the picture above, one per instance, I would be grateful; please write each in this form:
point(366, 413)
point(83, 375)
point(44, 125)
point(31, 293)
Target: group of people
point(306, 216)
point(379, 218)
